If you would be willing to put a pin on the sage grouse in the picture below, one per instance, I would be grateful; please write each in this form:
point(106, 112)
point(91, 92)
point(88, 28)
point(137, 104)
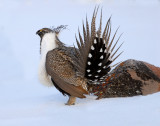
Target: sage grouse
point(72, 70)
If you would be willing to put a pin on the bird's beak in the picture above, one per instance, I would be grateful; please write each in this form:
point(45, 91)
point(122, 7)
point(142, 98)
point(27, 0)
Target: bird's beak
point(39, 32)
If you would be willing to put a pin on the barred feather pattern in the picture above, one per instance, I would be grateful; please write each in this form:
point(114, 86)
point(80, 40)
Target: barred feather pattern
point(95, 52)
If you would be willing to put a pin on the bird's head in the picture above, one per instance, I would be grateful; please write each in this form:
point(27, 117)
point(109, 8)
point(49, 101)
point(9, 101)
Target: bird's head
point(49, 37)
point(56, 30)
point(43, 31)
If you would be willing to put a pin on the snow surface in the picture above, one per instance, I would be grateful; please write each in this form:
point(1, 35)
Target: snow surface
point(25, 102)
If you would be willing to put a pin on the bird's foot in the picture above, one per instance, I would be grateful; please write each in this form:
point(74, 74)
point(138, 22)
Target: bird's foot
point(71, 100)
point(69, 104)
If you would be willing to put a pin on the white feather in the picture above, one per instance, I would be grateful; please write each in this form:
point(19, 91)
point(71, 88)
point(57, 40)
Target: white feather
point(90, 55)
point(100, 64)
point(88, 70)
point(101, 50)
point(89, 63)
point(92, 47)
point(48, 43)
point(101, 57)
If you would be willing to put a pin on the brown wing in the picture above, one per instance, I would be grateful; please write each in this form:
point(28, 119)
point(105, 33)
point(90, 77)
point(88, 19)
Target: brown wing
point(72, 90)
point(62, 71)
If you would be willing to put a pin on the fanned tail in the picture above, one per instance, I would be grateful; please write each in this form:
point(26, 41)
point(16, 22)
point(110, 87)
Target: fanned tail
point(96, 50)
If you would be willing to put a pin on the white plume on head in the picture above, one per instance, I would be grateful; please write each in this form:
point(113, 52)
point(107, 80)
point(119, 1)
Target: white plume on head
point(48, 43)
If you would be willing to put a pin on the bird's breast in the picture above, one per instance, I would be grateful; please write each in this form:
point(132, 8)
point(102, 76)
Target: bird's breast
point(44, 77)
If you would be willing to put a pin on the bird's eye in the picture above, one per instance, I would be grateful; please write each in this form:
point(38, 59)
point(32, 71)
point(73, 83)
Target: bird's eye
point(41, 30)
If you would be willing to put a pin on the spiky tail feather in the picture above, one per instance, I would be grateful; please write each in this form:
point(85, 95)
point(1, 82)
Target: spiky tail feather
point(95, 51)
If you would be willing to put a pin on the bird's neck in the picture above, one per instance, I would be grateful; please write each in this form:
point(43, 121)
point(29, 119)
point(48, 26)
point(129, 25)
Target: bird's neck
point(48, 43)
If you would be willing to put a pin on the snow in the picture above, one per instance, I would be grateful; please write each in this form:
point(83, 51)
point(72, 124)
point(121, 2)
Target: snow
point(24, 101)
point(26, 104)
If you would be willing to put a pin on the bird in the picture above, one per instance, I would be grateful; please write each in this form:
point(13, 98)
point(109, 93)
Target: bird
point(72, 69)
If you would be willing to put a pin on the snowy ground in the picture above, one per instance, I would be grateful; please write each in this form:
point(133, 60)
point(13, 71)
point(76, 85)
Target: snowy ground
point(25, 102)
point(32, 105)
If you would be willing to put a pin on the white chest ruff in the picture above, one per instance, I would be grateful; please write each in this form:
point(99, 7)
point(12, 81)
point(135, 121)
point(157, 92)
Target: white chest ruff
point(44, 78)
point(48, 43)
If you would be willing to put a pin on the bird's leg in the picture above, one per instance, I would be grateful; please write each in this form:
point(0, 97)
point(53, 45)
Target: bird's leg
point(71, 100)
